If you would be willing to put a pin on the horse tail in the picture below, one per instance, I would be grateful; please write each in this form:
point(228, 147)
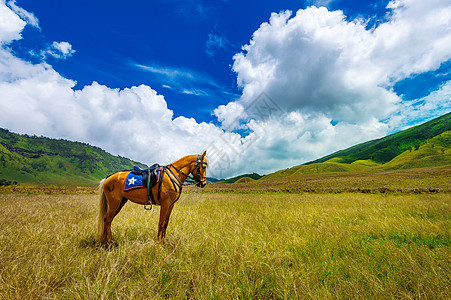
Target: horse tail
point(103, 207)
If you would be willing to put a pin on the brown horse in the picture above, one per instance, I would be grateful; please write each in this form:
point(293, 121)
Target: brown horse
point(165, 193)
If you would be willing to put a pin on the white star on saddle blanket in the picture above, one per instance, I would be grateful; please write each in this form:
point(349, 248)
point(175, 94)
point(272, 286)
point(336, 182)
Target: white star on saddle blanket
point(131, 181)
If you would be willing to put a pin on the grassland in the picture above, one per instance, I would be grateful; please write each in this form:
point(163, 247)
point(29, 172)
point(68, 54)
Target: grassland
point(234, 246)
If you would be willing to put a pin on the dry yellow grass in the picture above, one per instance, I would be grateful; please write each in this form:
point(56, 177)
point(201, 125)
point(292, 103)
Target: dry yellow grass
point(234, 246)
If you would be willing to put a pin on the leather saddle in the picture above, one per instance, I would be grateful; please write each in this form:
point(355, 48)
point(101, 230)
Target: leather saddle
point(153, 171)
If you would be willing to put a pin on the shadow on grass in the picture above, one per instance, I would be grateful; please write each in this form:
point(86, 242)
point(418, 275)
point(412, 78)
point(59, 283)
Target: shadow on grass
point(121, 238)
point(93, 242)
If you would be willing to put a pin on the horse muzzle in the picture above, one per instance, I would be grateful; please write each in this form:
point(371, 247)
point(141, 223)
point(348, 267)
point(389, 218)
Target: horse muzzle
point(201, 184)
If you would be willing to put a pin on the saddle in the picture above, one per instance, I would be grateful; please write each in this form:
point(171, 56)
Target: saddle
point(150, 178)
point(152, 171)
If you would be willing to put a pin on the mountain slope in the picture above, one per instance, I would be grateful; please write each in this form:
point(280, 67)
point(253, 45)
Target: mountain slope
point(425, 145)
point(40, 160)
point(253, 176)
point(385, 149)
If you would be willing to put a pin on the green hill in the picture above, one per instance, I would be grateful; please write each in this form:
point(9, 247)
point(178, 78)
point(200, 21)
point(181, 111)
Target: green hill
point(385, 149)
point(244, 180)
point(43, 161)
point(425, 145)
point(253, 176)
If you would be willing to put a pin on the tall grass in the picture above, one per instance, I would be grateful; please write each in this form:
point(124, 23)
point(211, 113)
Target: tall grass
point(234, 246)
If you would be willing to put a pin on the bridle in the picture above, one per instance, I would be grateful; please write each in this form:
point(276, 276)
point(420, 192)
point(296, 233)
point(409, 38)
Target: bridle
point(197, 178)
point(199, 163)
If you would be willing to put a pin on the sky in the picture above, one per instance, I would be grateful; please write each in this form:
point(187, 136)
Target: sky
point(261, 85)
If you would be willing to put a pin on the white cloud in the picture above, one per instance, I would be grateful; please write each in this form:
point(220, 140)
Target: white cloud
point(421, 110)
point(61, 50)
point(314, 62)
point(416, 39)
point(11, 25)
point(279, 143)
point(28, 17)
point(179, 76)
point(58, 50)
point(317, 61)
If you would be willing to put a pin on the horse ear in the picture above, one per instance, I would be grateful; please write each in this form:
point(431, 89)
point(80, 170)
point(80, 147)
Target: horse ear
point(203, 155)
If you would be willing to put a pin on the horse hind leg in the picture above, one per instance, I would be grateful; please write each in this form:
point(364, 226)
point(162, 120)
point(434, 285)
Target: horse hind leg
point(110, 205)
point(124, 200)
point(103, 208)
point(115, 205)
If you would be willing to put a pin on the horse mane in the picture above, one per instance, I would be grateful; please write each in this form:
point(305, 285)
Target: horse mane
point(194, 157)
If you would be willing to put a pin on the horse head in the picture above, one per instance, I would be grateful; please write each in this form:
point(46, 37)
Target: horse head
point(200, 170)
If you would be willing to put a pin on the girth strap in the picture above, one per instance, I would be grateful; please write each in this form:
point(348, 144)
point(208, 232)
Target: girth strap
point(176, 183)
point(149, 193)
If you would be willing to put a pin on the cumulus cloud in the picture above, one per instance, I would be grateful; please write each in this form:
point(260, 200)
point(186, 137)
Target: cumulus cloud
point(317, 61)
point(61, 50)
point(11, 25)
point(58, 50)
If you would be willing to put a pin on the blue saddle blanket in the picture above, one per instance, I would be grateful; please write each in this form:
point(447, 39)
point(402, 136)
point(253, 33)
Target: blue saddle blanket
point(133, 181)
point(138, 178)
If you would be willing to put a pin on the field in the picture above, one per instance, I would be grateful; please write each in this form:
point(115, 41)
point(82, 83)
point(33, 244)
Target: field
point(230, 246)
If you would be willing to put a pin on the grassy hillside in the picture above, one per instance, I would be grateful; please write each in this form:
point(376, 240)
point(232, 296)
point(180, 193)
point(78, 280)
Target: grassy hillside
point(426, 145)
point(385, 149)
point(244, 179)
point(42, 161)
point(253, 176)
point(212, 180)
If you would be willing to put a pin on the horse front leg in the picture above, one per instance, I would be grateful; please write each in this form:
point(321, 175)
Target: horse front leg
point(166, 221)
point(165, 213)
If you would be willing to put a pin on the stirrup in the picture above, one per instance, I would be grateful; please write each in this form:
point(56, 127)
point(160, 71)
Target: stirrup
point(148, 208)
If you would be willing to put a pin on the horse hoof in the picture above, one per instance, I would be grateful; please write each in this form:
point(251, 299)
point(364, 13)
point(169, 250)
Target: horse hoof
point(109, 245)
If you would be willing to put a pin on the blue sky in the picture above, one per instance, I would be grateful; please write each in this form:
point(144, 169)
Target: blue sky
point(335, 73)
